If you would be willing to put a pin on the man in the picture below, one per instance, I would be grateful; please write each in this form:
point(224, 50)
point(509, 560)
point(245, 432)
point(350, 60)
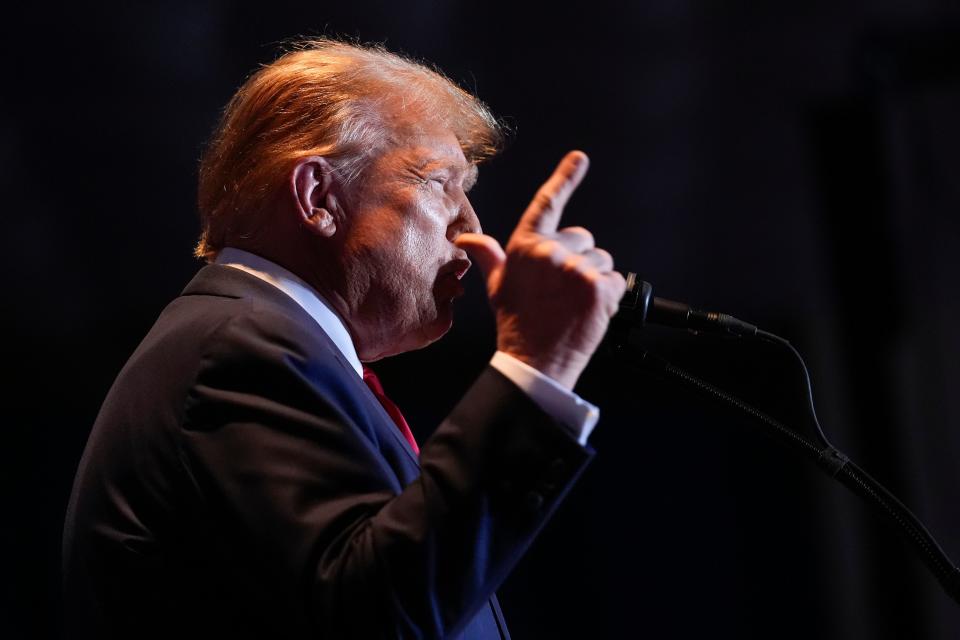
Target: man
point(242, 480)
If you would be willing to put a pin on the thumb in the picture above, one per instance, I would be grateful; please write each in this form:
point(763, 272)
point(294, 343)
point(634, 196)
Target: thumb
point(485, 251)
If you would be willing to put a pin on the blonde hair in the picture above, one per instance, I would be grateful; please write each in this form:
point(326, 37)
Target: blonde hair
point(327, 98)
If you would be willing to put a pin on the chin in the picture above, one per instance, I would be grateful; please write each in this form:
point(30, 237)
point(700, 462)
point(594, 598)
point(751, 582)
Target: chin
point(438, 328)
point(440, 325)
point(424, 335)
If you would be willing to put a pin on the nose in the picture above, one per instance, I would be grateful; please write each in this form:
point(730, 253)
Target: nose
point(465, 221)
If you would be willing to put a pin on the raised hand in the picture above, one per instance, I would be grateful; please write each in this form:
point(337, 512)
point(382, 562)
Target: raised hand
point(552, 290)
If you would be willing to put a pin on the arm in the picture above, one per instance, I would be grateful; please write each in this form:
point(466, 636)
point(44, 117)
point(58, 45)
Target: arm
point(282, 457)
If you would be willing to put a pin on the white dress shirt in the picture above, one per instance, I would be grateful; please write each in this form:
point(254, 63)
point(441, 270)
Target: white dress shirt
point(566, 407)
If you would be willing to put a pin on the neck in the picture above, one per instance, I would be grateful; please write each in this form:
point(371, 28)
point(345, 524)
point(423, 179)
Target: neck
point(324, 276)
point(341, 289)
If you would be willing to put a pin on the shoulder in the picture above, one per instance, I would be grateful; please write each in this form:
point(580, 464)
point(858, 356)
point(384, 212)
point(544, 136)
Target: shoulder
point(252, 343)
point(232, 316)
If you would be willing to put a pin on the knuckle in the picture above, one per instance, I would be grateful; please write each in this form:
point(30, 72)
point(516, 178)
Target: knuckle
point(547, 250)
point(604, 259)
point(579, 231)
point(546, 200)
point(567, 172)
point(573, 261)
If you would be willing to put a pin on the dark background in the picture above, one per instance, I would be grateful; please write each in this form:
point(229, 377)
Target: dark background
point(794, 164)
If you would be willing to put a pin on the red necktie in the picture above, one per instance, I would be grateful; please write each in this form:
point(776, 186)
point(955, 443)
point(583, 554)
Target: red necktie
point(393, 410)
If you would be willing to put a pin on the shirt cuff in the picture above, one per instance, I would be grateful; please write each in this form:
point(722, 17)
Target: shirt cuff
point(564, 406)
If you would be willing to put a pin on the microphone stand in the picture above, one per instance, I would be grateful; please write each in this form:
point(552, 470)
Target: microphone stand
point(828, 458)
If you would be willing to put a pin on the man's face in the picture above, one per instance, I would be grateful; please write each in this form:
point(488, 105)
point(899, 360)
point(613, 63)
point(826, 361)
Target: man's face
point(402, 217)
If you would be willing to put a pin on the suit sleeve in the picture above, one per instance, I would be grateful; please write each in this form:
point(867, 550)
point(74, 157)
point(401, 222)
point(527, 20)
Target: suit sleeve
point(299, 494)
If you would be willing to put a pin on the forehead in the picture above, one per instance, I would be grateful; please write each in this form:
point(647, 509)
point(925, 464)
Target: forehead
point(424, 149)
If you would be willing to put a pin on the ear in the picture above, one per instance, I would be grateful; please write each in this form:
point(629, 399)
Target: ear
point(313, 183)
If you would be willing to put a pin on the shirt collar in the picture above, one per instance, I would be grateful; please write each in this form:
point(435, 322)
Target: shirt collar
point(305, 295)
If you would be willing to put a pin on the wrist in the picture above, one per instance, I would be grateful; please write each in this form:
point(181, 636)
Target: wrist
point(564, 369)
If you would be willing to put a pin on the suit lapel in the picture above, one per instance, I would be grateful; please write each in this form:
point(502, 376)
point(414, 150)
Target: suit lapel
point(222, 280)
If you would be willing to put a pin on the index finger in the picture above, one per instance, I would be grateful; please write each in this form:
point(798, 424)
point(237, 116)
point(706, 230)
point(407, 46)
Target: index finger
point(543, 214)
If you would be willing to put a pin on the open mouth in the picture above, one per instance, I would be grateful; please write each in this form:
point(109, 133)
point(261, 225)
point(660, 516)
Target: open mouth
point(448, 284)
point(449, 287)
point(457, 268)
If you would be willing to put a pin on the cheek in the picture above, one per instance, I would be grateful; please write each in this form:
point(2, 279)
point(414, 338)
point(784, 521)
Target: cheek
point(423, 240)
point(404, 246)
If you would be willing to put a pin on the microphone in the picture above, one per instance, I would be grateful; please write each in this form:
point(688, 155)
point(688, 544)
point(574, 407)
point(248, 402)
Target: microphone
point(639, 306)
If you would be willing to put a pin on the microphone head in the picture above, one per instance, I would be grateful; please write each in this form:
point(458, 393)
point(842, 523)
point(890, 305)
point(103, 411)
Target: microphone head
point(635, 302)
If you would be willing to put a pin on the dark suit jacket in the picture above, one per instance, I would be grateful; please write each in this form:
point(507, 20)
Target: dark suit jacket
point(242, 481)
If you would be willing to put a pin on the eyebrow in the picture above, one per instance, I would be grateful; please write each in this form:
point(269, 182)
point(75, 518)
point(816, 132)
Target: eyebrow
point(470, 174)
point(429, 162)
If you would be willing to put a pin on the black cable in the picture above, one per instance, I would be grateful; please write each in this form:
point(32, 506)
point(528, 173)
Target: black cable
point(828, 458)
point(775, 339)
